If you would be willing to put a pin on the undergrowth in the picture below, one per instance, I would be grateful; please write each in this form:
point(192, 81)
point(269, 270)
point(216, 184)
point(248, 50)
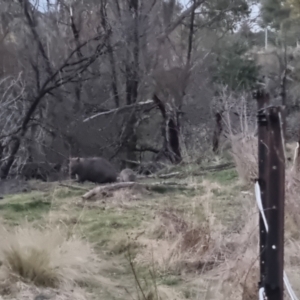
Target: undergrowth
point(146, 246)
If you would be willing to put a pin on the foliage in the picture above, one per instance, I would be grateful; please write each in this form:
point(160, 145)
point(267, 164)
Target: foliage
point(234, 68)
point(274, 12)
point(226, 13)
point(284, 18)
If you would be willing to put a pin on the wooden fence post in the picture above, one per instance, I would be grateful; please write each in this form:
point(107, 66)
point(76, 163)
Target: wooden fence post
point(263, 142)
point(272, 185)
point(275, 205)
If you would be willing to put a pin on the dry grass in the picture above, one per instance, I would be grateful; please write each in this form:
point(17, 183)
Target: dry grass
point(244, 152)
point(292, 206)
point(46, 258)
point(23, 291)
point(183, 242)
point(238, 275)
point(183, 246)
point(126, 198)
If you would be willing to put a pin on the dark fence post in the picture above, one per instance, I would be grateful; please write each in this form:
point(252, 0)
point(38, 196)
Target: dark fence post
point(263, 100)
point(271, 178)
point(275, 206)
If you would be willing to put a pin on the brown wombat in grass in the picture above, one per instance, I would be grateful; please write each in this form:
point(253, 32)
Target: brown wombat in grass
point(94, 169)
point(127, 175)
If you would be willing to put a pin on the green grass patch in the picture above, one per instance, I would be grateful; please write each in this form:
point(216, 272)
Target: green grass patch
point(100, 225)
point(190, 294)
point(224, 177)
point(65, 192)
point(37, 205)
point(171, 280)
point(15, 208)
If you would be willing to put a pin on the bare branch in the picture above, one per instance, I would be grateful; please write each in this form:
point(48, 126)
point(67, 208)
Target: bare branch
point(120, 109)
point(179, 19)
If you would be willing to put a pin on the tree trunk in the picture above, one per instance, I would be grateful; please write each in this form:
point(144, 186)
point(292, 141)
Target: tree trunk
point(170, 132)
point(217, 132)
point(107, 29)
point(78, 86)
point(130, 137)
point(191, 34)
point(11, 158)
point(132, 84)
point(1, 152)
point(172, 138)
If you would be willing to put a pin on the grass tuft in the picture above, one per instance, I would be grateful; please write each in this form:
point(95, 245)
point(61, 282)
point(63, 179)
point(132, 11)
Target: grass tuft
point(45, 257)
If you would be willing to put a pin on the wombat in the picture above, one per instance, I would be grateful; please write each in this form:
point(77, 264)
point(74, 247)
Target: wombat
point(94, 169)
point(127, 175)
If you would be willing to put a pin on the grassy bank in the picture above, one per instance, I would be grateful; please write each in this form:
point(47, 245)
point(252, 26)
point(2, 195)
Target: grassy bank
point(197, 243)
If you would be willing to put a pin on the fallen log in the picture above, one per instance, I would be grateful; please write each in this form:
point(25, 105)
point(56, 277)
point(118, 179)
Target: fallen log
point(105, 189)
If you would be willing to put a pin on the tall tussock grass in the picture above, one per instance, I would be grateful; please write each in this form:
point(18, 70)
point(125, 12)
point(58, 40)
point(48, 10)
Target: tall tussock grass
point(44, 257)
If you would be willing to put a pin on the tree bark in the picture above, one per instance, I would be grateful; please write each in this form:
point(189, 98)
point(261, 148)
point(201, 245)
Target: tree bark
point(78, 86)
point(106, 27)
point(1, 150)
point(191, 34)
point(217, 132)
point(170, 131)
point(132, 83)
point(10, 160)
